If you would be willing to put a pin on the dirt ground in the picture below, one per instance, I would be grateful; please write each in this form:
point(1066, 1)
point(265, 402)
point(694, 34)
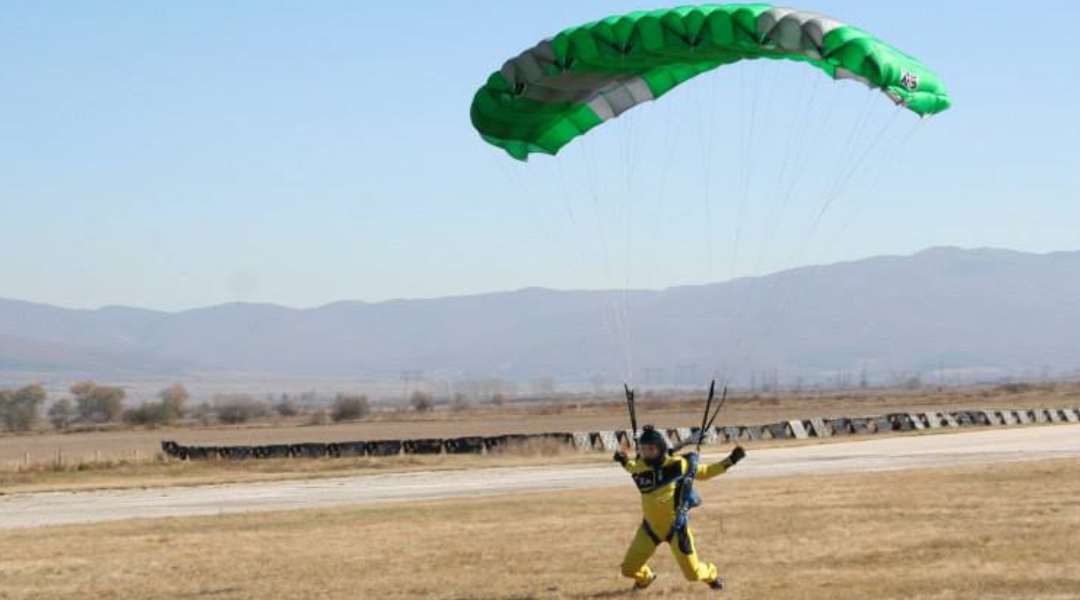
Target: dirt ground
point(978, 533)
point(143, 444)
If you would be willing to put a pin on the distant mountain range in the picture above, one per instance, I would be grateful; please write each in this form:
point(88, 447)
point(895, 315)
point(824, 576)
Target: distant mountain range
point(966, 313)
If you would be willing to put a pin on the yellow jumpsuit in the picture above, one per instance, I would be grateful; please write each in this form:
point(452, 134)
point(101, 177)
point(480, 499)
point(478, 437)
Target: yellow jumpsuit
point(658, 496)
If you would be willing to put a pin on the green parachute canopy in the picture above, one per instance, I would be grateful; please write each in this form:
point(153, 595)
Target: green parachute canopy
point(565, 86)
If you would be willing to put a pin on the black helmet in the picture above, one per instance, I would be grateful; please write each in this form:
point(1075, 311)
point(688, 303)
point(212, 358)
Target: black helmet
point(652, 437)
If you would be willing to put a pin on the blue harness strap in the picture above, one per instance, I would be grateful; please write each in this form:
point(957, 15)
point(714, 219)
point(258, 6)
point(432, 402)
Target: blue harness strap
point(690, 498)
point(686, 546)
point(685, 500)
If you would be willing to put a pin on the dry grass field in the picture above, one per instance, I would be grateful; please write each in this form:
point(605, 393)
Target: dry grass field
point(985, 533)
point(163, 472)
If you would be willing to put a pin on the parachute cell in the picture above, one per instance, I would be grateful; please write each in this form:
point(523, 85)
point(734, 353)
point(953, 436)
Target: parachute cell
point(584, 76)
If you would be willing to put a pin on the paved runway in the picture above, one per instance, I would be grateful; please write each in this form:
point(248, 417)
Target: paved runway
point(969, 448)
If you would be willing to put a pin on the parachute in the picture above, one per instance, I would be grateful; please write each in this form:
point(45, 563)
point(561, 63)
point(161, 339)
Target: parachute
point(779, 153)
point(565, 86)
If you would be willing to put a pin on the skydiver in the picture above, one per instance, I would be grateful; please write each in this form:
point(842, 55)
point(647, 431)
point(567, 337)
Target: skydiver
point(666, 485)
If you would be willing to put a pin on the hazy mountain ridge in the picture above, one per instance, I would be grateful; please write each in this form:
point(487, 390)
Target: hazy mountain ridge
point(979, 311)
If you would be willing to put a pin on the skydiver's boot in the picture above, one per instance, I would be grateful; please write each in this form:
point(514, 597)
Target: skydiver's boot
point(638, 587)
point(716, 584)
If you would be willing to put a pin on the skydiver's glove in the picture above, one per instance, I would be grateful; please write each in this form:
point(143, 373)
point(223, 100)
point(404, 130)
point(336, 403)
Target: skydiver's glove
point(620, 457)
point(736, 455)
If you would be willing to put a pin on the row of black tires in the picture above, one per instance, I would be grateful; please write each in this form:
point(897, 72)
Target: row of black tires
point(608, 440)
point(378, 448)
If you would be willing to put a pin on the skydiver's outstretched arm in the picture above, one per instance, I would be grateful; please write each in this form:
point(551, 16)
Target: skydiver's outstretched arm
point(719, 468)
point(630, 464)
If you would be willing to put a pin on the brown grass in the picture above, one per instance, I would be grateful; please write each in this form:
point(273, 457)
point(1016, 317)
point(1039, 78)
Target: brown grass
point(983, 533)
point(160, 471)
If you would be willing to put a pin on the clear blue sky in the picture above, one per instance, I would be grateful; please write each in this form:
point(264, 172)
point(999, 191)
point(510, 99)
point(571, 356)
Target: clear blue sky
point(173, 155)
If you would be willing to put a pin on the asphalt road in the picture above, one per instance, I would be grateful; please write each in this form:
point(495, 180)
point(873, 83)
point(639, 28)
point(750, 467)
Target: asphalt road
point(969, 448)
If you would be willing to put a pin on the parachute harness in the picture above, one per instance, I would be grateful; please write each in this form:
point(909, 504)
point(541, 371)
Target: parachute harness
point(686, 498)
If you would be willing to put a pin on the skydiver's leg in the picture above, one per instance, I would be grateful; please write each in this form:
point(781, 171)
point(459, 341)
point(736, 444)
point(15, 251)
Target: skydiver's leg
point(682, 548)
point(635, 565)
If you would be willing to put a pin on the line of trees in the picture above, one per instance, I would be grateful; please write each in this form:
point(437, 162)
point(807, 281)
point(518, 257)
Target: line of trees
point(90, 404)
point(93, 404)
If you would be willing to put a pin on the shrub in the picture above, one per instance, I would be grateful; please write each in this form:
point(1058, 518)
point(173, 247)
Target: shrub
point(349, 408)
point(203, 412)
point(21, 409)
point(98, 403)
point(175, 398)
point(460, 403)
point(62, 413)
point(318, 417)
point(235, 409)
point(422, 402)
point(287, 407)
point(151, 413)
